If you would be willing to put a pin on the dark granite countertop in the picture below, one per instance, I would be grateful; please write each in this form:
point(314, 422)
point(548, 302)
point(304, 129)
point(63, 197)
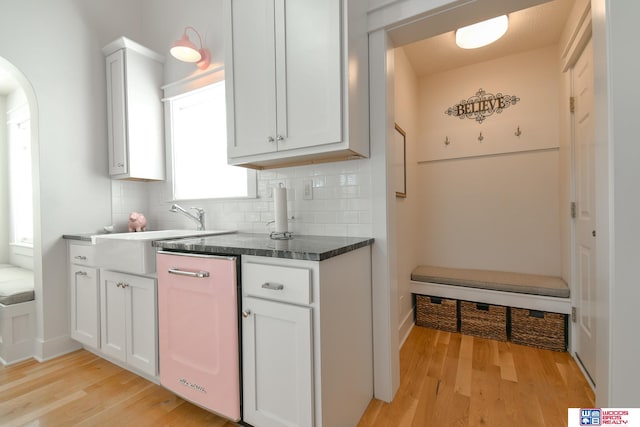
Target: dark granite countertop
point(312, 248)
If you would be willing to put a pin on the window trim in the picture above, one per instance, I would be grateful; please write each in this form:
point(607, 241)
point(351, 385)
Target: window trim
point(178, 89)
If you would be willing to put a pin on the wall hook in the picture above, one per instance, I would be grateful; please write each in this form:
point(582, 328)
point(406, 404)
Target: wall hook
point(518, 132)
point(446, 140)
point(480, 138)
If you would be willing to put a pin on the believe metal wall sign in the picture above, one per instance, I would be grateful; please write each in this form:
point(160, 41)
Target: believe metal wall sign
point(481, 105)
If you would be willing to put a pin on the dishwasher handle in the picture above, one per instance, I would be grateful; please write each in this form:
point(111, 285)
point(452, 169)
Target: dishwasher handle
point(198, 274)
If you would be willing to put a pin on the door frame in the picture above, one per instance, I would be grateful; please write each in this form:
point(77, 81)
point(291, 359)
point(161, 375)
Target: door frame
point(391, 24)
point(577, 51)
point(581, 34)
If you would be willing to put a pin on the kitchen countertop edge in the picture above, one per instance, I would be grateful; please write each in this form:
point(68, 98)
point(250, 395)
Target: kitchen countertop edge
point(309, 248)
point(83, 237)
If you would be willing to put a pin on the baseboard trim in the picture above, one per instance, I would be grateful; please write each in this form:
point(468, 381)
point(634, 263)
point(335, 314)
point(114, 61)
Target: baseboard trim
point(52, 348)
point(584, 371)
point(405, 327)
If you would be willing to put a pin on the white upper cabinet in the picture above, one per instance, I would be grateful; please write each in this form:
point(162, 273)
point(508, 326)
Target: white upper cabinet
point(296, 70)
point(134, 111)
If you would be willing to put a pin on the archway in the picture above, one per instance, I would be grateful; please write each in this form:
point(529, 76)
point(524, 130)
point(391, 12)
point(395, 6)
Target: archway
point(31, 101)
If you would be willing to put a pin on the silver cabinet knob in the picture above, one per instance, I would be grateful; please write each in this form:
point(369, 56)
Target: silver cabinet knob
point(246, 313)
point(270, 139)
point(280, 138)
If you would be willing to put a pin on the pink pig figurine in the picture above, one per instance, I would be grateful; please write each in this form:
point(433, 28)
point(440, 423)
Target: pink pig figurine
point(137, 222)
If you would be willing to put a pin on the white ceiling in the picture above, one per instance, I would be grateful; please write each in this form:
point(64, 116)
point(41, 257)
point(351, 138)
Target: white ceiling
point(529, 29)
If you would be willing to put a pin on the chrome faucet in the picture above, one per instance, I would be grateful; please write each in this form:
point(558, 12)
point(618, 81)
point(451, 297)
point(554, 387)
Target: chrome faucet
point(199, 218)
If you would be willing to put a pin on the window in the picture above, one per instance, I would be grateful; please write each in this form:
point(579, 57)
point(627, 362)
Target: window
point(198, 138)
point(20, 189)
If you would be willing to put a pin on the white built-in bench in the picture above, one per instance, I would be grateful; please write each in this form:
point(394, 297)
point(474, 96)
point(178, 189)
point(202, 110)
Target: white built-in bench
point(17, 314)
point(529, 291)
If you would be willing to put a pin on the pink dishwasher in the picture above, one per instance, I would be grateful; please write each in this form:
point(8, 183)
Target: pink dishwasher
point(198, 330)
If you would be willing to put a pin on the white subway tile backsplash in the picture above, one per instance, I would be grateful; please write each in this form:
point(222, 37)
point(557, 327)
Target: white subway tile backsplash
point(341, 204)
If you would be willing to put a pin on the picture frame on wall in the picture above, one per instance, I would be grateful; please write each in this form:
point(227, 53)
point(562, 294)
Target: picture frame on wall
point(400, 162)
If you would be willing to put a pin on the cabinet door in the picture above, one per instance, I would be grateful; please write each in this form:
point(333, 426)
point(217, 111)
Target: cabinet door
point(141, 316)
point(116, 113)
point(284, 87)
point(278, 364)
point(251, 74)
point(112, 315)
point(144, 116)
point(309, 73)
point(85, 310)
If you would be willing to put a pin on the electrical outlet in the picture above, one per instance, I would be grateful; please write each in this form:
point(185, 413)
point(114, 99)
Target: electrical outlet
point(307, 189)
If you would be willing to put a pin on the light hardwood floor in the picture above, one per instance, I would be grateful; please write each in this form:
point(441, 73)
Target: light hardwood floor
point(446, 380)
point(449, 379)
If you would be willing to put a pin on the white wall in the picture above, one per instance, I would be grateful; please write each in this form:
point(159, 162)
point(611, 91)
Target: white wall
point(163, 22)
point(408, 216)
point(484, 204)
point(65, 70)
point(4, 183)
point(341, 191)
point(58, 57)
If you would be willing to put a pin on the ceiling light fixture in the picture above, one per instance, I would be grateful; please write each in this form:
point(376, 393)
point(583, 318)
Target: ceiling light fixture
point(185, 50)
point(482, 33)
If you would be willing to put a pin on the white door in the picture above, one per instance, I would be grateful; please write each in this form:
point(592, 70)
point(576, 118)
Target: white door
point(585, 345)
point(112, 311)
point(116, 113)
point(251, 77)
point(309, 73)
point(278, 364)
point(142, 342)
point(85, 313)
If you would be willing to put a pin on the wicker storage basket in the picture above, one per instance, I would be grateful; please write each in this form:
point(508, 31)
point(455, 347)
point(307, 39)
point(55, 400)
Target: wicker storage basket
point(483, 320)
point(539, 329)
point(437, 313)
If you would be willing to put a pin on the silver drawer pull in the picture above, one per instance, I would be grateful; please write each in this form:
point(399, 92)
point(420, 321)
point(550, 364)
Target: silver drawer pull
point(198, 274)
point(82, 257)
point(81, 273)
point(273, 286)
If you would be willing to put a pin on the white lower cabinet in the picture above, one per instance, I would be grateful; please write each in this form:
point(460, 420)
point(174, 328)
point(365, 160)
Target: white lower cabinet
point(129, 320)
point(84, 281)
point(307, 340)
point(278, 364)
point(85, 309)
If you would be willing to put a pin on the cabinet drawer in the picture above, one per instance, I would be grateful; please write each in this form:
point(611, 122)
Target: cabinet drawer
point(82, 254)
point(289, 284)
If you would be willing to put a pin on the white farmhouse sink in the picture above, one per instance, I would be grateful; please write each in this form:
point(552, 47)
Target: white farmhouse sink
point(133, 252)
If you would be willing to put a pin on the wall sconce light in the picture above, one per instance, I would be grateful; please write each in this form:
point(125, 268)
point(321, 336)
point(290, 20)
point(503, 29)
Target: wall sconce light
point(184, 50)
point(482, 33)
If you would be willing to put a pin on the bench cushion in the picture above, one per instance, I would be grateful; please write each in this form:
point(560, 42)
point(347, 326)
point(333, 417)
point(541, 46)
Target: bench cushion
point(493, 280)
point(16, 285)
